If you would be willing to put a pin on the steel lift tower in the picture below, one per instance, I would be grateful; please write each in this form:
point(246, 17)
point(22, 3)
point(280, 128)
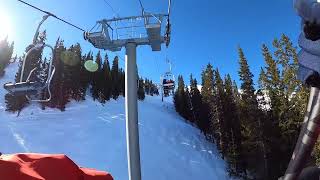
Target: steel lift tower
point(130, 32)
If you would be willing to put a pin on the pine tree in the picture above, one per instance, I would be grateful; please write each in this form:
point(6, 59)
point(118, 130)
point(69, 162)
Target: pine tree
point(207, 93)
point(233, 127)
point(96, 83)
point(196, 100)
point(75, 72)
point(271, 102)
point(218, 120)
point(141, 93)
point(292, 103)
point(60, 91)
point(182, 100)
point(107, 84)
point(6, 51)
point(84, 78)
point(188, 109)
point(250, 117)
point(178, 97)
point(270, 82)
point(116, 87)
point(122, 82)
point(147, 86)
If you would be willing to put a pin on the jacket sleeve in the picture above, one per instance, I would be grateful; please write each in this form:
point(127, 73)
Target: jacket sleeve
point(308, 10)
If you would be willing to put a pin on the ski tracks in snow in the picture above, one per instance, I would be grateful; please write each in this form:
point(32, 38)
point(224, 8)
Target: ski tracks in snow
point(19, 139)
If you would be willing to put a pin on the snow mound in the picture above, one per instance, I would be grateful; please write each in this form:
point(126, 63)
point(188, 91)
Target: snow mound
point(93, 135)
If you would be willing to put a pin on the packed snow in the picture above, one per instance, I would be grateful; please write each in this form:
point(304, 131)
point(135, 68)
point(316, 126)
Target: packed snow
point(93, 135)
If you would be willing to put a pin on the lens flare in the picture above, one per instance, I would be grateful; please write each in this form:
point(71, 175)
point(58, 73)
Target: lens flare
point(5, 25)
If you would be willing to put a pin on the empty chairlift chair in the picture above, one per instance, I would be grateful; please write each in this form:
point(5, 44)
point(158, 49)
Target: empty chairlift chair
point(26, 86)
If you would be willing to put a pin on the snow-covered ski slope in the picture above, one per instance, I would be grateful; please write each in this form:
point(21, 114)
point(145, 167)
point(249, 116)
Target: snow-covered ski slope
point(93, 135)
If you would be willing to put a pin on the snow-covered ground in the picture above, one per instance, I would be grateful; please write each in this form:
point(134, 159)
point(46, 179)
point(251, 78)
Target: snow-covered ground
point(93, 135)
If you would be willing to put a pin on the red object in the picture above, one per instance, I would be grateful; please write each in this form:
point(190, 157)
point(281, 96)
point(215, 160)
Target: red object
point(45, 167)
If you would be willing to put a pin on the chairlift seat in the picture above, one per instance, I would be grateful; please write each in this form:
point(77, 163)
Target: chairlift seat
point(154, 36)
point(171, 87)
point(168, 84)
point(24, 88)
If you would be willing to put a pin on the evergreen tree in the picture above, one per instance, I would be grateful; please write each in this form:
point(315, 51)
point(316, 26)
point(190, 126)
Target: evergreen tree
point(96, 83)
point(287, 100)
point(233, 128)
point(250, 118)
point(116, 86)
point(141, 93)
point(196, 100)
point(188, 109)
point(271, 102)
point(107, 84)
point(84, 78)
point(181, 99)
point(207, 93)
point(218, 122)
point(60, 91)
point(122, 82)
point(178, 96)
point(147, 86)
point(74, 71)
point(6, 51)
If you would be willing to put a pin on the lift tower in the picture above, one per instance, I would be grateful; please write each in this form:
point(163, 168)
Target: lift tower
point(130, 32)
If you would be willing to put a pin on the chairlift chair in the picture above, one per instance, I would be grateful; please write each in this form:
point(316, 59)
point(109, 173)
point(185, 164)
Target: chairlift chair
point(31, 89)
point(168, 83)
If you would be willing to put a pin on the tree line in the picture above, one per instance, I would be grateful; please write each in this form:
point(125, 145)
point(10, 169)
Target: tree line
point(255, 126)
point(6, 51)
point(72, 81)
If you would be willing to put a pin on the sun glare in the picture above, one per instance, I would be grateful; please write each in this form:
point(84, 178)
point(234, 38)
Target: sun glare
point(5, 25)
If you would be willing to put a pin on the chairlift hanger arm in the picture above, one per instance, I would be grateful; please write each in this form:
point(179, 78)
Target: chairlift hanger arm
point(142, 8)
point(35, 37)
point(169, 7)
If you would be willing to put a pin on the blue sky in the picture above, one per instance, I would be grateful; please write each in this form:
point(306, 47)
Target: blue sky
point(202, 31)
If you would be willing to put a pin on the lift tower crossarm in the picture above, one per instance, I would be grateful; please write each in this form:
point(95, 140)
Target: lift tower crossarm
point(147, 15)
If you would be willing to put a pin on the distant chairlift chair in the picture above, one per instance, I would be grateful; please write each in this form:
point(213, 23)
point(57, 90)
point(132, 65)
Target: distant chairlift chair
point(168, 83)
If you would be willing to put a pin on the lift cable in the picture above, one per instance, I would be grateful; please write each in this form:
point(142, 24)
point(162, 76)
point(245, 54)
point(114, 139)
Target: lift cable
point(142, 8)
point(117, 14)
point(169, 8)
point(46, 12)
